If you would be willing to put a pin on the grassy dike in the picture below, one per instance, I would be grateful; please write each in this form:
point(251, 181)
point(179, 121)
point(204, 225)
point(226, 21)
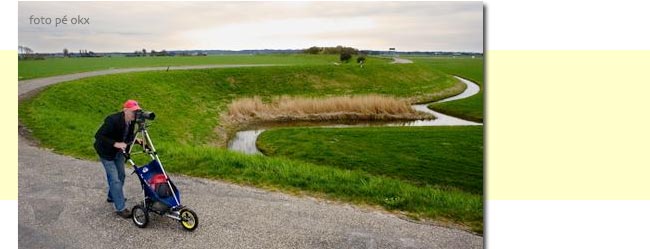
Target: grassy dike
point(64, 117)
point(470, 68)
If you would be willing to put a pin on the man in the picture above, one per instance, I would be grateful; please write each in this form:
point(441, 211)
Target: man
point(110, 140)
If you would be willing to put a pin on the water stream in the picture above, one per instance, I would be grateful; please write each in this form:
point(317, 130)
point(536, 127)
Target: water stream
point(244, 141)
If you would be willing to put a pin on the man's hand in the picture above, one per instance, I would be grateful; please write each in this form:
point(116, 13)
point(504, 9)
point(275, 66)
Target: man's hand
point(138, 141)
point(120, 145)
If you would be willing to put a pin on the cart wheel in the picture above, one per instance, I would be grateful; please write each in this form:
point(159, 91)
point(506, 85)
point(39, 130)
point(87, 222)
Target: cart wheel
point(189, 220)
point(140, 216)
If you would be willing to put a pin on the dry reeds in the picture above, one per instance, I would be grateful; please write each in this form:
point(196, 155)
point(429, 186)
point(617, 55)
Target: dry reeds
point(349, 108)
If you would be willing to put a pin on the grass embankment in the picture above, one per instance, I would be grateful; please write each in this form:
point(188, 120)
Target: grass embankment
point(344, 108)
point(469, 68)
point(445, 157)
point(29, 69)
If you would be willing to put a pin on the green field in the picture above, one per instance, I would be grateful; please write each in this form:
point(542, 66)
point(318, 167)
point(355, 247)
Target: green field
point(29, 69)
point(440, 156)
point(64, 117)
point(472, 69)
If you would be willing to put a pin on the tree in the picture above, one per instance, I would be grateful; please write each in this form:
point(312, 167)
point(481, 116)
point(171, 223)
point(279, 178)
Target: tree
point(21, 52)
point(66, 53)
point(339, 49)
point(313, 50)
point(361, 59)
point(144, 52)
point(25, 52)
point(345, 57)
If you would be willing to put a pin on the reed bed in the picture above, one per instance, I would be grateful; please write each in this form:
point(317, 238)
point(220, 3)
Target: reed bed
point(348, 108)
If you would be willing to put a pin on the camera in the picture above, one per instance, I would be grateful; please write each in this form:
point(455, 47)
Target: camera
point(141, 116)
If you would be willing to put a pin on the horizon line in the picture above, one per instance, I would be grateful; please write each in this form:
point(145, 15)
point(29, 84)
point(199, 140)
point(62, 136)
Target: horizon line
point(240, 50)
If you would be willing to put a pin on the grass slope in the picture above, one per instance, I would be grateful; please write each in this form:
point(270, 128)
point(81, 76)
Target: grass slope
point(441, 156)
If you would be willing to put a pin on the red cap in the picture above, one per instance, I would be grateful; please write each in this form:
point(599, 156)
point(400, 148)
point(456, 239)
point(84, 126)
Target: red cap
point(131, 105)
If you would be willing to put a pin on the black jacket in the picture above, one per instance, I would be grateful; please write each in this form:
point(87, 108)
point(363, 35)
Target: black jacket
point(112, 131)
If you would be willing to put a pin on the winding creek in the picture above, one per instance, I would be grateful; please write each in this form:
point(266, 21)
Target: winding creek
point(245, 141)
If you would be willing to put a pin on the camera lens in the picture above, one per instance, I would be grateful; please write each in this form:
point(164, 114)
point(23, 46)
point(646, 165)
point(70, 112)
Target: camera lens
point(142, 115)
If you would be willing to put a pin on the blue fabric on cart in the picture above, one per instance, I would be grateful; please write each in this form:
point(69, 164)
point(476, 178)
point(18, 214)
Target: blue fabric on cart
point(147, 172)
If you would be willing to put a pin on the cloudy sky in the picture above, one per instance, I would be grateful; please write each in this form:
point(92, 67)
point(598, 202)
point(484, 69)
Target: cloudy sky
point(127, 26)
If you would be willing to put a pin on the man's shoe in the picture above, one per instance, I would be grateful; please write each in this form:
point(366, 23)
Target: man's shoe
point(126, 214)
point(111, 201)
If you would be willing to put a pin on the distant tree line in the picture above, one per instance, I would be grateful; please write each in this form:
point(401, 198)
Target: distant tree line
point(345, 53)
point(82, 53)
point(331, 50)
point(143, 53)
point(26, 53)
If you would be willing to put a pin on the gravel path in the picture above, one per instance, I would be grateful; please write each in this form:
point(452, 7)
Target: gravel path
point(62, 205)
point(26, 86)
point(397, 60)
